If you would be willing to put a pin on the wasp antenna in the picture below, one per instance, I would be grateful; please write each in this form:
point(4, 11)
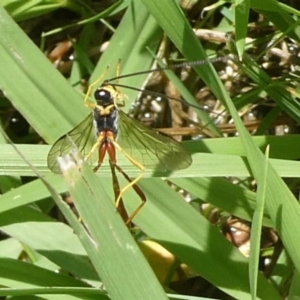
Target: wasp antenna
point(200, 62)
point(175, 66)
point(159, 95)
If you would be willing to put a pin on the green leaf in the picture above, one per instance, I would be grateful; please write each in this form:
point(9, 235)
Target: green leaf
point(111, 248)
point(256, 229)
point(172, 222)
point(242, 8)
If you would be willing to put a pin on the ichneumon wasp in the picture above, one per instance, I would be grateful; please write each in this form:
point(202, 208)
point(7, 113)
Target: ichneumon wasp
point(108, 129)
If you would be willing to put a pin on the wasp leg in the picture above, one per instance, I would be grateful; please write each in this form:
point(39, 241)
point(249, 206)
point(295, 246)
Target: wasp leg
point(91, 87)
point(116, 186)
point(138, 191)
point(97, 145)
point(132, 183)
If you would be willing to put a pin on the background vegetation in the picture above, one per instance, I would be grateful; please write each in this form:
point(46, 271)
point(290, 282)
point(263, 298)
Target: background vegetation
point(50, 50)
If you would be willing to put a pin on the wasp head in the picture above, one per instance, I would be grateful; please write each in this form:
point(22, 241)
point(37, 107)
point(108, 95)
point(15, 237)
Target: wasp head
point(103, 97)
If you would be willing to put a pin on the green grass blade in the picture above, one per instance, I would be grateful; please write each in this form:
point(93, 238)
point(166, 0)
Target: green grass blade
point(204, 164)
point(39, 232)
point(111, 248)
point(276, 90)
point(256, 229)
point(172, 222)
point(280, 202)
point(114, 254)
point(223, 194)
point(242, 8)
point(279, 14)
point(12, 274)
point(181, 34)
point(40, 87)
point(47, 292)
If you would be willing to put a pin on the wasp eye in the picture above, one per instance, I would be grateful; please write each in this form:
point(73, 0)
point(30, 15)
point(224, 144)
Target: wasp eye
point(102, 94)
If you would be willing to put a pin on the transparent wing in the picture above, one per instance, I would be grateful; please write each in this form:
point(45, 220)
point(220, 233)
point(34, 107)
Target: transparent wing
point(83, 136)
point(151, 148)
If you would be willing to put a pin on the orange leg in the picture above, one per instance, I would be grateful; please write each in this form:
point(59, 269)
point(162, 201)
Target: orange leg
point(140, 193)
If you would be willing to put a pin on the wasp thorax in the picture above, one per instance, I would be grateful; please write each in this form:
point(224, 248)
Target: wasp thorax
point(103, 97)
